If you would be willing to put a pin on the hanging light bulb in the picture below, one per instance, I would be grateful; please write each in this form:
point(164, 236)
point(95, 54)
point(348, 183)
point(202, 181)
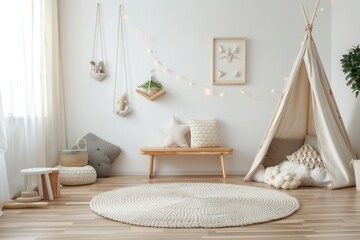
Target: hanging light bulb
point(242, 92)
point(146, 38)
point(166, 70)
point(177, 77)
point(125, 17)
point(191, 84)
point(322, 9)
point(156, 62)
point(272, 90)
point(286, 79)
point(222, 94)
point(149, 51)
point(209, 91)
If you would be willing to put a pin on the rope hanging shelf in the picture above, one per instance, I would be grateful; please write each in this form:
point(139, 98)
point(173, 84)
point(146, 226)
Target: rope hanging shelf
point(98, 69)
point(151, 89)
point(121, 102)
point(151, 97)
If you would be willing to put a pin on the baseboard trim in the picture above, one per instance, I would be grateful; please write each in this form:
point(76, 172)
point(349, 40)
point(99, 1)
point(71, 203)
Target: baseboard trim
point(177, 173)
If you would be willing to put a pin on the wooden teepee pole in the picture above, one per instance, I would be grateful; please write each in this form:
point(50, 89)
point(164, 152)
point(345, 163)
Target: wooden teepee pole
point(314, 14)
point(309, 24)
point(305, 14)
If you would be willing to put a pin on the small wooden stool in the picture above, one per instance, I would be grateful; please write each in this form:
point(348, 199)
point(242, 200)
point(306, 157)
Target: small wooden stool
point(29, 172)
point(55, 184)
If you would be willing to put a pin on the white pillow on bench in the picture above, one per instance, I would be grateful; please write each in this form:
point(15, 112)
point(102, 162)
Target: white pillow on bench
point(204, 133)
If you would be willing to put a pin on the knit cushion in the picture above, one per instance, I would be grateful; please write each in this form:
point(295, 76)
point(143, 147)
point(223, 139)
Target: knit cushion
point(101, 154)
point(204, 133)
point(307, 156)
point(76, 175)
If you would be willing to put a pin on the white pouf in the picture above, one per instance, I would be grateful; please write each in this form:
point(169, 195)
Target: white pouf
point(76, 175)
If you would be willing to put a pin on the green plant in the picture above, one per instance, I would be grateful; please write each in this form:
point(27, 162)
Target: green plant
point(350, 64)
point(151, 84)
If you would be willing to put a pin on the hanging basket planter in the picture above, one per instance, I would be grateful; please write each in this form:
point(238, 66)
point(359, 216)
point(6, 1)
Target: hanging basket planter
point(150, 87)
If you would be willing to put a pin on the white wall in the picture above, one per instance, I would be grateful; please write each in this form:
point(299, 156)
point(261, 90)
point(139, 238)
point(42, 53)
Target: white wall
point(181, 33)
point(345, 34)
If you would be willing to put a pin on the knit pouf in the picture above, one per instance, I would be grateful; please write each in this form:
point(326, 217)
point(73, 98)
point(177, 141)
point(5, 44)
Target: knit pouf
point(76, 175)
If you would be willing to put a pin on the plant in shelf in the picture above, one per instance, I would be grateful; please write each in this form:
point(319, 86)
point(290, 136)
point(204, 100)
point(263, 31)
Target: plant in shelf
point(350, 64)
point(150, 87)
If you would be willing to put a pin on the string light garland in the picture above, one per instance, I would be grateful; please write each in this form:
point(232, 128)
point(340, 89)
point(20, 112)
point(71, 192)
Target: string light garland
point(208, 91)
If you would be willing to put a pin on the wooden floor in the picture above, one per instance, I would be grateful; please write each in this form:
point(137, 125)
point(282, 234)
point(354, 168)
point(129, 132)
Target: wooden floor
point(324, 214)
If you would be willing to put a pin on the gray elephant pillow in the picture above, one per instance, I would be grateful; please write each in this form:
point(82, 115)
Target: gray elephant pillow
point(101, 154)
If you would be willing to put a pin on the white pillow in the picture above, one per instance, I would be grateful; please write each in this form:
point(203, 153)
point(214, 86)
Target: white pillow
point(319, 177)
point(175, 134)
point(306, 155)
point(258, 175)
point(286, 180)
point(204, 133)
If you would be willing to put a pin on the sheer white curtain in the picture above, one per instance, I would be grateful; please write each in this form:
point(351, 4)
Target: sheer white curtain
point(31, 86)
point(4, 187)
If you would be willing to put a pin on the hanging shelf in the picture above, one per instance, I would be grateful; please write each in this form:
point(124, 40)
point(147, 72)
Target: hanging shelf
point(98, 69)
point(152, 97)
point(121, 101)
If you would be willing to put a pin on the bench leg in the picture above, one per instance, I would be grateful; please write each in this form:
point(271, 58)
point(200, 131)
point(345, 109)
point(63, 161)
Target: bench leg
point(223, 165)
point(151, 166)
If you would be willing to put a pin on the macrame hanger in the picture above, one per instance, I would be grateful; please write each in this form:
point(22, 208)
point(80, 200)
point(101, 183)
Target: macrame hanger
point(121, 103)
point(98, 70)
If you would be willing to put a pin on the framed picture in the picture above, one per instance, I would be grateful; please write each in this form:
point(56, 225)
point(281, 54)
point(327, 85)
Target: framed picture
point(228, 61)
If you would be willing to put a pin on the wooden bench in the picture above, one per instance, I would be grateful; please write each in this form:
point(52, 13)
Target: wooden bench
point(186, 151)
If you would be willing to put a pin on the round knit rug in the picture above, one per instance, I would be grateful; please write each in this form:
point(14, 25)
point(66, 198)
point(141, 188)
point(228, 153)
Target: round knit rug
point(193, 205)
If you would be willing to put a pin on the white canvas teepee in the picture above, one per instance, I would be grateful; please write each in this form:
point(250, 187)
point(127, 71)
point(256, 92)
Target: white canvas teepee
point(307, 107)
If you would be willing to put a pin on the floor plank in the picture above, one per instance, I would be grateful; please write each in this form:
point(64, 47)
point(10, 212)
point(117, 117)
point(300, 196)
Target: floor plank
point(324, 214)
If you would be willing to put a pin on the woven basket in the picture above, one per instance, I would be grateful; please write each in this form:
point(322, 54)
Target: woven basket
point(74, 157)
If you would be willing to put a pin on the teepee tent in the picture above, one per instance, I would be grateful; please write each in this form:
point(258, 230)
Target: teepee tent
point(307, 107)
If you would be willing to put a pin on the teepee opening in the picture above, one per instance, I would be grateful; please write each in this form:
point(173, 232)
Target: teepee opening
point(306, 128)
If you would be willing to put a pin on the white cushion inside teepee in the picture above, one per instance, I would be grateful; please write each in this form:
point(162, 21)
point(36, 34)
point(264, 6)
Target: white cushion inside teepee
point(306, 156)
point(290, 175)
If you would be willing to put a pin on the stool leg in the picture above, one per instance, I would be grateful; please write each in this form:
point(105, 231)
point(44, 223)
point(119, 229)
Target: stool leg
point(25, 188)
point(28, 181)
point(48, 186)
point(40, 187)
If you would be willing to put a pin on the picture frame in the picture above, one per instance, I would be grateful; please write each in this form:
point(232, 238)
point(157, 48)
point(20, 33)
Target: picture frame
point(228, 61)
